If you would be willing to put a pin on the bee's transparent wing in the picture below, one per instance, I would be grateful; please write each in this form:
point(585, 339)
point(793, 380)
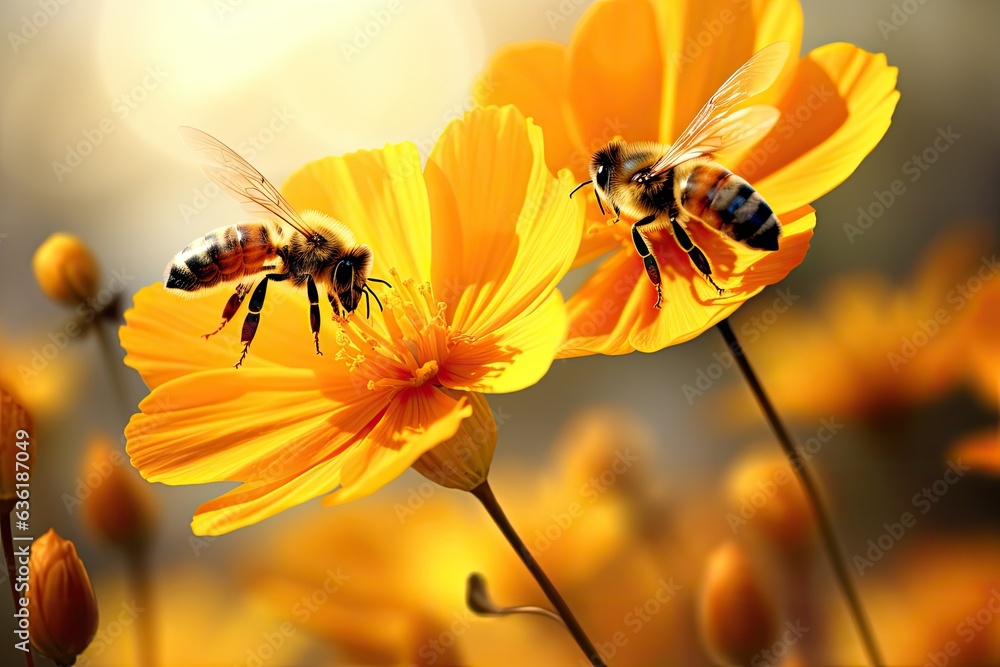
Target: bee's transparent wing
point(224, 167)
point(714, 128)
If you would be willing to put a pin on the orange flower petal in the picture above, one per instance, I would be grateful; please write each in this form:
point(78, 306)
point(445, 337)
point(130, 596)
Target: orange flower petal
point(252, 425)
point(506, 232)
point(164, 333)
point(711, 39)
point(981, 451)
point(380, 196)
point(835, 112)
point(519, 354)
point(531, 75)
point(417, 421)
point(615, 73)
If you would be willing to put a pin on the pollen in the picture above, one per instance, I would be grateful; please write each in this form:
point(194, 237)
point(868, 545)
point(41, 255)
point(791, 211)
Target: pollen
point(408, 346)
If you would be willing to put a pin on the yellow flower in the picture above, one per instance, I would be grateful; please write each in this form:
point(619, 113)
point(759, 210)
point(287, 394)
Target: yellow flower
point(641, 69)
point(65, 269)
point(61, 602)
point(484, 316)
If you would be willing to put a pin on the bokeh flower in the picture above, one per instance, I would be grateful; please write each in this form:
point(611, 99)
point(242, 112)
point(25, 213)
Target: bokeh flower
point(483, 316)
point(61, 602)
point(120, 509)
point(738, 615)
point(881, 348)
point(65, 269)
point(836, 103)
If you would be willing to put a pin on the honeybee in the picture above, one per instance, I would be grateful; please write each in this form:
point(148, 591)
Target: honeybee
point(310, 250)
point(661, 185)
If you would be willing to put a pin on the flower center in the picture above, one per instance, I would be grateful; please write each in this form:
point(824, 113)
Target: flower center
point(408, 350)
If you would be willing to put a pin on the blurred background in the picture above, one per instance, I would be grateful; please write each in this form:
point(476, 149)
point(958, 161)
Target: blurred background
point(698, 527)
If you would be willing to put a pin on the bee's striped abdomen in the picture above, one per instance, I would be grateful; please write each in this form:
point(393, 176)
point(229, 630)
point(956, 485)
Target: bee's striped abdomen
point(223, 255)
point(745, 215)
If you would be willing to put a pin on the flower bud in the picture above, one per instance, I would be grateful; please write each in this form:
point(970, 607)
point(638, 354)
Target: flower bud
point(121, 508)
point(766, 496)
point(15, 427)
point(65, 269)
point(737, 616)
point(463, 462)
point(61, 602)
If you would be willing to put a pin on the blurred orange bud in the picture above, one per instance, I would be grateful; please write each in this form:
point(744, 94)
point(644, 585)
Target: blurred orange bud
point(737, 616)
point(61, 602)
point(15, 427)
point(765, 495)
point(463, 462)
point(121, 508)
point(65, 269)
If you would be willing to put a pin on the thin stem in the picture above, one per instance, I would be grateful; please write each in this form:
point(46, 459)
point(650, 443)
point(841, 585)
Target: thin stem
point(485, 495)
point(811, 487)
point(7, 537)
point(138, 565)
point(109, 351)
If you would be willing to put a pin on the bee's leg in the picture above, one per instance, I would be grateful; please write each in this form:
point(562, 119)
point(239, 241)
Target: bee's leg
point(232, 306)
point(313, 310)
point(697, 256)
point(253, 317)
point(646, 252)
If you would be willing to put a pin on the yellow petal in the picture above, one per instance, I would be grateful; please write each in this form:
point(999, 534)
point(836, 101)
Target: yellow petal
point(380, 196)
point(709, 40)
point(602, 310)
point(505, 231)
point(252, 425)
point(521, 352)
point(835, 112)
point(416, 421)
point(248, 505)
point(615, 75)
point(164, 333)
point(532, 76)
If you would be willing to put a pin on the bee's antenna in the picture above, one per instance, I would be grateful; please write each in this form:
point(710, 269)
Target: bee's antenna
point(577, 188)
point(379, 280)
point(372, 292)
point(599, 201)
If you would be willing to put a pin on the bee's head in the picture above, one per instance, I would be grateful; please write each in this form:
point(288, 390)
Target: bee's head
point(350, 275)
point(602, 170)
